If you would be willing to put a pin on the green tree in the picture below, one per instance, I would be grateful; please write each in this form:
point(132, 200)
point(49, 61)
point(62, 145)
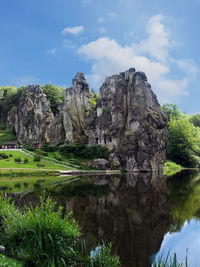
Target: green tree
point(55, 96)
point(171, 110)
point(184, 142)
point(195, 120)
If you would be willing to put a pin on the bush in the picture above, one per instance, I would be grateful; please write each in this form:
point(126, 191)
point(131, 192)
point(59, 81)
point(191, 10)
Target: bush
point(37, 158)
point(40, 236)
point(58, 156)
point(18, 160)
point(3, 156)
point(25, 161)
point(85, 151)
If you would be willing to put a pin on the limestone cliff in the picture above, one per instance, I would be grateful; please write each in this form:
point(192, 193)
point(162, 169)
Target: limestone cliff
point(31, 119)
point(129, 121)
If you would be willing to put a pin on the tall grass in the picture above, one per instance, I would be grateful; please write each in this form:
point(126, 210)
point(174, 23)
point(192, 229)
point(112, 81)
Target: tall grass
point(170, 262)
point(41, 236)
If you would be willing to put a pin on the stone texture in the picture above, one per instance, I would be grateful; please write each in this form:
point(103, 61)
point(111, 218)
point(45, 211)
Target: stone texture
point(129, 121)
point(31, 119)
point(56, 131)
point(75, 110)
point(100, 164)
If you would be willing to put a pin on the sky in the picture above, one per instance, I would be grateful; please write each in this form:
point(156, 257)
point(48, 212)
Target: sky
point(49, 41)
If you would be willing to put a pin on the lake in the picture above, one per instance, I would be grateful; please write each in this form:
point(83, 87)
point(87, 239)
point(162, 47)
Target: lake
point(143, 215)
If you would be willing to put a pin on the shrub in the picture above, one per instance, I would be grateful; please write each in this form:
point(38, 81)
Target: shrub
point(58, 156)
point(37, 158)
point(25, 161)
point(40, 236)
point(18, 160)
point(102, 257)
point(3, 156)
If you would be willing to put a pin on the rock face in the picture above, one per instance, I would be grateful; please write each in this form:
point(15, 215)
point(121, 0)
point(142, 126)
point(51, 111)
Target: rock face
point(129, 121)
point(75, 110)
point(56, 131)
point(31, 119)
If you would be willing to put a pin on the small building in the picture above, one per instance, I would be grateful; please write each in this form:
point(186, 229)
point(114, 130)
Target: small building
point(10, 145)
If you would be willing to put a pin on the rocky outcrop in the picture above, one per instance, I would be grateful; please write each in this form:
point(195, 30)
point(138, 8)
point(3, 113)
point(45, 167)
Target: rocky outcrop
point(31, 119)
point(100, 164)
point(129, 121)
point(75, 110)
point(56, 131)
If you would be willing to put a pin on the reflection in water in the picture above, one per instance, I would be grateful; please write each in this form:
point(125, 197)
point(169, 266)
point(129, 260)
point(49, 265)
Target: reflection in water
point(184, 195)
point(131, 211)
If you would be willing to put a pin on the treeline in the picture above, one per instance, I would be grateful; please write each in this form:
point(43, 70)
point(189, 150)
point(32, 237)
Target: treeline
point(184, 137)
point(10, 96)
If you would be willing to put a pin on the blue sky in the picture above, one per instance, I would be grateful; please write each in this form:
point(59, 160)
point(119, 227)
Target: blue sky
point(45, 41)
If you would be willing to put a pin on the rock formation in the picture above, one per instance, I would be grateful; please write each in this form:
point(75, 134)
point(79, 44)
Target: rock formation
point(31, 119)
point(127, 119)
point(75, 110)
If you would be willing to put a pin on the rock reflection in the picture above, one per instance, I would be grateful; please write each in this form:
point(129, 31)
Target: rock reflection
point(130, 210)
point(134, 215)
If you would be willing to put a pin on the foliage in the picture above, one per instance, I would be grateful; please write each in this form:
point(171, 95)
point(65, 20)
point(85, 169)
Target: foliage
point(195, 120)
point(102, 257)
point(93, 98)
point(6, 135)
point(184, 143)
point(40, 236)
point(55, 96)
point(6, 262)
point(80, 151)
point(18, 159)
point(85, 151)
point(170, 262)
point(37, 158)
point(171, 168)
point(3, 156)
point(25, 161)
point(9, 97)
point(172, 111)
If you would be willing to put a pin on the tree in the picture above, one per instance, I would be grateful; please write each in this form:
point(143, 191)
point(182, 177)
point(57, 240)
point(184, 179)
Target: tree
point(55, 96)
point(171, 110)
point(195, 120)
point(184, 142)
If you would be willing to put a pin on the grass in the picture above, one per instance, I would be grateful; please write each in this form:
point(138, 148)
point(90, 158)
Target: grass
point(6, 262)
point(6, 135)
point(42, 236)
point(10, 162)
point(171, 168)
point(170, 262)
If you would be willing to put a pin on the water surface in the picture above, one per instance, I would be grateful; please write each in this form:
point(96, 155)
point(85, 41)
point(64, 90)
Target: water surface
point(143, 215)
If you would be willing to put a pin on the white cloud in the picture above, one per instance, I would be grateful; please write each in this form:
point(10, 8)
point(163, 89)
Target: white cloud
point(52, 51)
point(151, 55)
point(73, 30)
